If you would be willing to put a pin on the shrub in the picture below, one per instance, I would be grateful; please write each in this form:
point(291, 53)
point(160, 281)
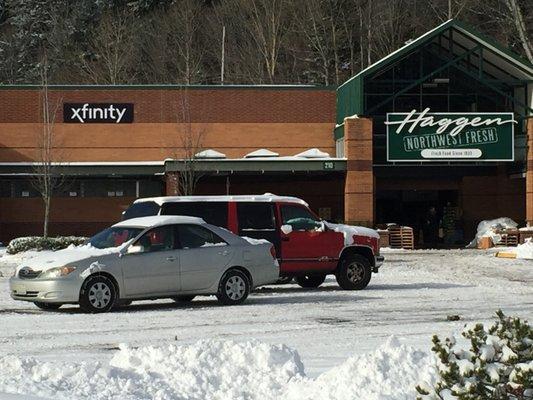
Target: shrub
point(41, 243)
point(498, 365)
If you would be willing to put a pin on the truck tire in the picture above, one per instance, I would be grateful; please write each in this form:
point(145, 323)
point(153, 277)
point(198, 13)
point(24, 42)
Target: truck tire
point(354, 272)
point(310, 281)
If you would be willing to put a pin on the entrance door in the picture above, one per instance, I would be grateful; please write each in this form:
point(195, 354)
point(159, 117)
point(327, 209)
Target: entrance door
point(426, 211)
point(305, 245)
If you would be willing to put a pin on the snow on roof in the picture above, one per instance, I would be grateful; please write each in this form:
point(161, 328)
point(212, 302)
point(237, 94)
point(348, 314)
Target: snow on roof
point(267, 197)
point(210, 153)
point(261, 153)
point(156, 220)
point(313, 153)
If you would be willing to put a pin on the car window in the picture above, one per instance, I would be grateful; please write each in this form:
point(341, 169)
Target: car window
point(212, 212)
point(142, 209)
point(195, 236)
point(256, 217)
point(160, 238)
point(299, 218)
point(113, 237)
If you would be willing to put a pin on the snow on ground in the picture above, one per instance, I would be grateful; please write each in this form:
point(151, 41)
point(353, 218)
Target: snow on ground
point(337, 342)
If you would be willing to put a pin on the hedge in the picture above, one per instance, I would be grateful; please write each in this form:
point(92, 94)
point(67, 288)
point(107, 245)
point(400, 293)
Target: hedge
point(41, 243)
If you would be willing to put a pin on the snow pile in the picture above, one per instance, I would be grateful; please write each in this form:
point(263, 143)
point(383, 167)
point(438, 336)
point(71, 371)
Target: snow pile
point(219, 370)
point(490, 228)
point(349, 231)
point(210, 153)
point(389, 373)
point(313, 153)
point(525, 250)
point(205, 370)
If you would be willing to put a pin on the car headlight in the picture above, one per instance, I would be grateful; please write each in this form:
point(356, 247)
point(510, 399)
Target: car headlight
point(57, 272)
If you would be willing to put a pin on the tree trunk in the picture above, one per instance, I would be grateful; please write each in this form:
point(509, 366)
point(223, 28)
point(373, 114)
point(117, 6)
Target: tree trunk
point(518, 19)
point(46, 215)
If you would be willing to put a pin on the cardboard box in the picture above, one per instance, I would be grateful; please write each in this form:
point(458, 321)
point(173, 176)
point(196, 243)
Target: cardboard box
point(485, 243)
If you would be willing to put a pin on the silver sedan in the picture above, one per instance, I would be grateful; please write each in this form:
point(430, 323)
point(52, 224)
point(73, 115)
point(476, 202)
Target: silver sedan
point(148, 258)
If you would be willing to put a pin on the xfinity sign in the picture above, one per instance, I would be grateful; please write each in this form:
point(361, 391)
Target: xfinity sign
point(427, 136)
point(98, 113)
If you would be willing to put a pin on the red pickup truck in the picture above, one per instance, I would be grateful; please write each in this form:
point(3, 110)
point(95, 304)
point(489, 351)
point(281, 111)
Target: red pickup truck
point(307, 248)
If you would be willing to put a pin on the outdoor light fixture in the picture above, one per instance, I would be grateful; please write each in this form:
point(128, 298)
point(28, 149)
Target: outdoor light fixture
point(441, 80)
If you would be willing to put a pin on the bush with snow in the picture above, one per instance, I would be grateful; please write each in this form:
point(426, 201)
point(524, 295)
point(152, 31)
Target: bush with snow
point(497, 366)
point(43, 243)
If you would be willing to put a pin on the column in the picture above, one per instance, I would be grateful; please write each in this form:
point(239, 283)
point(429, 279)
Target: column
point(359, 184)
point(529, 173)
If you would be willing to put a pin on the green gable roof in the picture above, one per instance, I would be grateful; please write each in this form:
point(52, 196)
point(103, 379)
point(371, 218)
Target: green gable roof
point(350, 94)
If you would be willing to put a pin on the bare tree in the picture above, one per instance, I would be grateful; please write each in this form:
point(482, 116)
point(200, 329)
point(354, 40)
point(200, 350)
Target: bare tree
point(112, 49)
point(174, 47)
point(517, 17)
point(267, 24)
point(46, 177)
point(190, 137)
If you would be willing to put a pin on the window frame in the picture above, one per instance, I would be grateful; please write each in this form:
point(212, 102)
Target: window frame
point(148, 230)
point(178, 240)
point(282, 218)
point(272, 208)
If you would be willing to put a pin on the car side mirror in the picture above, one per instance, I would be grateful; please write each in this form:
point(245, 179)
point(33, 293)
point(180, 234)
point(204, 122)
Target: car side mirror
point(286, 229)
point(135, 249)
point(323, 227)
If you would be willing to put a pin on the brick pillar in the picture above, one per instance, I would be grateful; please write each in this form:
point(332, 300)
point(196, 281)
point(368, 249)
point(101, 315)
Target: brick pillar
point(172, 185)
point(359, 185)
point(529, 174)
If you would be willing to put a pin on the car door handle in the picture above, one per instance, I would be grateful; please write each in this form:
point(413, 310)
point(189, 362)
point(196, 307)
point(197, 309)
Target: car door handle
point(171, 258)
point(223, 253)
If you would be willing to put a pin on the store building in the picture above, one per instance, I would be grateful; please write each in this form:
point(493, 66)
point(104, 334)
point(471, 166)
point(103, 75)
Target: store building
point(443, 122)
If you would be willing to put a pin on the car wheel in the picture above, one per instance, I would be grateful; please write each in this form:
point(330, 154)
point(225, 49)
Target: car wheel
point(47, 306)
point(354, 272)
point(310, 281)
point(98, 294)
point(234, 288)
point(183, 299)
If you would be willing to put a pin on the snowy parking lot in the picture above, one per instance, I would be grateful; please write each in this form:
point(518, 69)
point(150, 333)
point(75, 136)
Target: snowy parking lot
point(337, 342)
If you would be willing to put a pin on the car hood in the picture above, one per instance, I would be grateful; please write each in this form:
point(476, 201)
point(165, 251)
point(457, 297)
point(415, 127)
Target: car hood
point(349, 231)
point(70, 255)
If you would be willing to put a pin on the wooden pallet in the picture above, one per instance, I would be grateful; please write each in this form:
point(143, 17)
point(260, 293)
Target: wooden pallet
point(525, 235)
point(509, 239)
point(401, 237)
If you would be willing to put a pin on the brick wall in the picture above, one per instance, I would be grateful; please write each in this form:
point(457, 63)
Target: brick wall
point(233, 121)
point(68, 216)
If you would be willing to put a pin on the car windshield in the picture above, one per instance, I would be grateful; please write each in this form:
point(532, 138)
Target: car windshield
point(113, 237)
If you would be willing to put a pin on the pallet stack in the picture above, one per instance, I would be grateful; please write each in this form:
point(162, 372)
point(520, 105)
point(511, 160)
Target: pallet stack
point(510, 238)
point(401, 237)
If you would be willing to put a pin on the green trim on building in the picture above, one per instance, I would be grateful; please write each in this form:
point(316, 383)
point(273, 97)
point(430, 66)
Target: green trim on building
point(260, 166)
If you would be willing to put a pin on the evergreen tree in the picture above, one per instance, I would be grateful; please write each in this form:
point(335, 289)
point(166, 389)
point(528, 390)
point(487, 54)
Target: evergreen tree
point(497, 366)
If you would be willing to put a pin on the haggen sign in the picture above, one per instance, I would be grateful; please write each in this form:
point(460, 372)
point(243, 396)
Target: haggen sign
point(427, 136)
point(98, 113)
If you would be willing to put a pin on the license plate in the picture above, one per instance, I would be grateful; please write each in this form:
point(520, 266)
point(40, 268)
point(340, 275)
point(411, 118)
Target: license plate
point(19, 289)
